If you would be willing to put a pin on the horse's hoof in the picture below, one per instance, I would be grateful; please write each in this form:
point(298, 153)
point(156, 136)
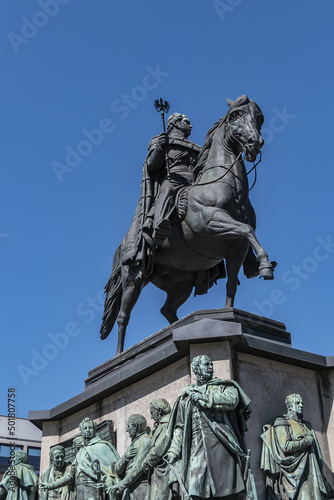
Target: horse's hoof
point(254, 270)
point(266, 272)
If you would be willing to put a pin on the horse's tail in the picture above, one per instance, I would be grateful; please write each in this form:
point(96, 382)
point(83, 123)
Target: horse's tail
point(113, 291)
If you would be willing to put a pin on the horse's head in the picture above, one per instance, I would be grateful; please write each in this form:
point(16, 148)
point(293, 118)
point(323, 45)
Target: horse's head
point(243, 123)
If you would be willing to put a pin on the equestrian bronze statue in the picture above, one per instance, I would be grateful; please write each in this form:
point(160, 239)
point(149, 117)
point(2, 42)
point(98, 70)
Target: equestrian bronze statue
point(194, 222)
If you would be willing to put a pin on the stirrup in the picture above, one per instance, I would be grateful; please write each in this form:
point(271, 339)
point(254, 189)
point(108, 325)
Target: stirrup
point(159, 239)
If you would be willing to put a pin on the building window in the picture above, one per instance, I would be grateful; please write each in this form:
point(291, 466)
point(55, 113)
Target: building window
point(5, 455)
point(34, 457)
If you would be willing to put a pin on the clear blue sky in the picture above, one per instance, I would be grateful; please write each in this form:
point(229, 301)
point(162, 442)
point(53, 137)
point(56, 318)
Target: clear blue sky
point(70, 66)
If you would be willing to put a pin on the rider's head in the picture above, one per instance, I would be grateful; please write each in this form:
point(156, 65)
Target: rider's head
point(180, 122)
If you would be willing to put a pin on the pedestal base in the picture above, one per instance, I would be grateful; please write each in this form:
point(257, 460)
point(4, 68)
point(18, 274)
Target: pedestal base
point(254, 351)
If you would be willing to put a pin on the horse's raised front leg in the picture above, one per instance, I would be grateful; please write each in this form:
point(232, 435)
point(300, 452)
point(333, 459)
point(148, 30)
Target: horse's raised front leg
point(132, 283)
point(221, 223)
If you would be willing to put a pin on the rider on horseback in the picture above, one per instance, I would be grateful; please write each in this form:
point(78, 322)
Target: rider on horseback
point(182, 158)
point(218, 225)
point(168, 167)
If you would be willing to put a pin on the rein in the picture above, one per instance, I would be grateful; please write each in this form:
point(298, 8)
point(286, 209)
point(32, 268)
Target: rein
point(233, 106)
point(254, 168)
point(199, 183)
point(219, 178)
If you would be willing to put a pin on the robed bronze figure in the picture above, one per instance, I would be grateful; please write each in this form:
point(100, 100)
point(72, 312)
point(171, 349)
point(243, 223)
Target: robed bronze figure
point(58, 480)
point(291, 457)
point(132, 483)
point(19, 482)
point(154, 463)
point(208, 450)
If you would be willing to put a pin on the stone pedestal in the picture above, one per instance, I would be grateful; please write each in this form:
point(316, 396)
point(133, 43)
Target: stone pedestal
point(254, 351)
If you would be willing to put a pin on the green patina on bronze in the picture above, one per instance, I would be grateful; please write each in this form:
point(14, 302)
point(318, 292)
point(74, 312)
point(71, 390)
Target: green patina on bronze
point(19, 482)
point(154, 464)
point(90, 474)
point(208, 450)
point(58, 480)
point(133, 483)
point(291, 457)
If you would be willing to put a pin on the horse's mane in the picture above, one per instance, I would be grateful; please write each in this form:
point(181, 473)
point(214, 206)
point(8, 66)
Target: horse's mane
point(203, 156)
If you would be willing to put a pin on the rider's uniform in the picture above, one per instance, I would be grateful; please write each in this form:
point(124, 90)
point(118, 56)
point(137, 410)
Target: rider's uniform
point(155, 209)
point(182, 158)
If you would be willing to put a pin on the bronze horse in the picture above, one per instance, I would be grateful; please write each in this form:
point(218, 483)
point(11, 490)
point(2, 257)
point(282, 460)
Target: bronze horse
point(218, 225)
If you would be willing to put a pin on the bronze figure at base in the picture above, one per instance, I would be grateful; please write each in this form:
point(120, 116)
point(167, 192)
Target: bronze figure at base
point(291, 457)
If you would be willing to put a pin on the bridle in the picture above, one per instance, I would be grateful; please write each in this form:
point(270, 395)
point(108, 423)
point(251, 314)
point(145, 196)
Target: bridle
point(199, 183)
point(255, 171)
point(219, 178)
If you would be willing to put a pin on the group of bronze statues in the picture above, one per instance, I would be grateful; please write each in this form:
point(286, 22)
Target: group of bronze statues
point(196, 450)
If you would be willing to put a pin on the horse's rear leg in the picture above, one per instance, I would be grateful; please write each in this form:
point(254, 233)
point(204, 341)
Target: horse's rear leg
point(233, 265)
point(178, 285)
point(133, 283)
